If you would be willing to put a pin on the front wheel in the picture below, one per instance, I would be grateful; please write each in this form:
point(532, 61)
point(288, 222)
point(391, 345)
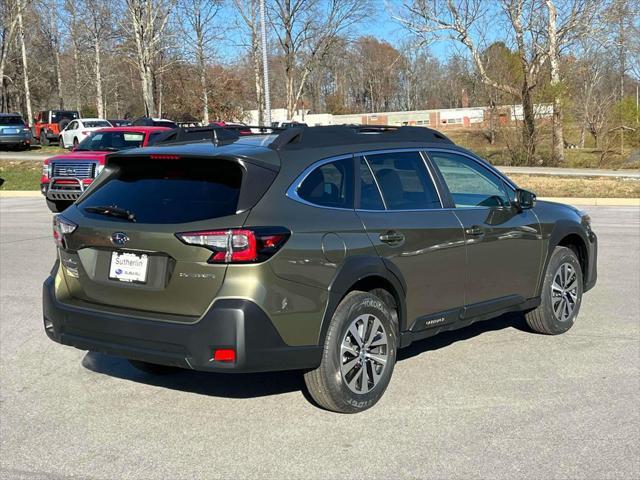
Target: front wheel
point(75, 142)
point(561, 294)
point(359, 355)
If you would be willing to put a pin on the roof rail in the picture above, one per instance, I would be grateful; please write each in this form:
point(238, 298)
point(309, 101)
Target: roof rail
point(215, 134)
point(315, 137)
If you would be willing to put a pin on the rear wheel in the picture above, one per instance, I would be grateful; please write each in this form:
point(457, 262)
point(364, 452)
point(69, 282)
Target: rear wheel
point(152, 368)
point(359, 355)
point(561, 294)
point(57, 206)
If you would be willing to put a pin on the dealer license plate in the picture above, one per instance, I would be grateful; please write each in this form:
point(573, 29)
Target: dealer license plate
point(128, 267)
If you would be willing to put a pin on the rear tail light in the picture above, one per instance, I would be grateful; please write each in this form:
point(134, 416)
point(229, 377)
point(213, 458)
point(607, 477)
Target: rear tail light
point(238, 245)
point(62, 227)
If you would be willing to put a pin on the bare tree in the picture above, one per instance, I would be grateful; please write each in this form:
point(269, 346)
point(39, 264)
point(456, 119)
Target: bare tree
point(22, 5)
point(248, 10)
point(567, 20)
point(147, 24)
point(73, 26)
point(8, 27)
point(307, 30)
point(49, 17)
point(197, 22)
point(461, 20)
point(98, 25)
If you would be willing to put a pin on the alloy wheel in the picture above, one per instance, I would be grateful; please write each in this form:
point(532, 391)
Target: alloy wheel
point(564, 292)
point(364, 353)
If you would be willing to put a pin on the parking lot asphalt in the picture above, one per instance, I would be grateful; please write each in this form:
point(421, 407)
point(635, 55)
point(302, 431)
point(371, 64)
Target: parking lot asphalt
point(490, 401)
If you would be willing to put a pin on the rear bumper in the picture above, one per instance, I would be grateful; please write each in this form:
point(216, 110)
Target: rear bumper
point(230, 323)
point(17, 139)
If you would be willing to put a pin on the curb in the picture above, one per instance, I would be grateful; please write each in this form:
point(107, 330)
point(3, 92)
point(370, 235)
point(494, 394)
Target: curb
point(594, 202)
point(20, 193)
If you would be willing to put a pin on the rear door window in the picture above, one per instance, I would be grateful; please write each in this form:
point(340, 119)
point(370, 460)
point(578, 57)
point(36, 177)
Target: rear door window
point(329, 185)
point(172, 191)
point(404, 181)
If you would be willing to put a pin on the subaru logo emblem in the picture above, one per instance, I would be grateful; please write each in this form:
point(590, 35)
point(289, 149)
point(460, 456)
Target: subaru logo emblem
point(119, 239)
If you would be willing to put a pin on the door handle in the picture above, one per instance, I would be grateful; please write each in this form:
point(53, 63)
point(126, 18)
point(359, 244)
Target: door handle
point(475, 231)
point(391, 237)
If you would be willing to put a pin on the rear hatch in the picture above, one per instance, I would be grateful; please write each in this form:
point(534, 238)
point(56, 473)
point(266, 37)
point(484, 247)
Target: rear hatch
point(136, 260)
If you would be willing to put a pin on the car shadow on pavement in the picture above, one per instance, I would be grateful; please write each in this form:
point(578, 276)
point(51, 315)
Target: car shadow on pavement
point(250, 385)
point(230, 385)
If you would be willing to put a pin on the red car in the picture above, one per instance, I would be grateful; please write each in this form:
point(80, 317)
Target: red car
point(66, 176)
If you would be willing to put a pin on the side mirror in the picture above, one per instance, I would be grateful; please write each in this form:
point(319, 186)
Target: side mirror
point(524, 199)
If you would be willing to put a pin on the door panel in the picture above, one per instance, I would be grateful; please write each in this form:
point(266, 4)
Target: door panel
point(431, 257)
point(504, 246)
point(504, 249)
point(401, 211)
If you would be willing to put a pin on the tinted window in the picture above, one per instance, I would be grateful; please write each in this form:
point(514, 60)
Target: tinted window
point(153, 136)
point(96, 124)
point(404, 181)
point(330, 185)
point(369, 194)
point(72, 126)
point(112, 141)
point(160, 191)
point(470, 184)
point(56, 117)
point(11, 121)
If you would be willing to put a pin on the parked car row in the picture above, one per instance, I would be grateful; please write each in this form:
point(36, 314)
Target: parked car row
point(66, 176)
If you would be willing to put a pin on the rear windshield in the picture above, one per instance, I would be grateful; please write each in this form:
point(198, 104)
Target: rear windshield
point(96, 123)
point(58, 116)
point(11, 121)
point(171, 191)
point(164, 123)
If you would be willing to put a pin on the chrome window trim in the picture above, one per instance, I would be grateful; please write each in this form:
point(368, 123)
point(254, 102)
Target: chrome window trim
point(292, 191)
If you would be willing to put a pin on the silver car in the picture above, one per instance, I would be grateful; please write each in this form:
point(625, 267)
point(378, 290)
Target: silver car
point(14, 132)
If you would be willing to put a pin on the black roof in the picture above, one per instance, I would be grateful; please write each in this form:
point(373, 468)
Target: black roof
point(316, 137)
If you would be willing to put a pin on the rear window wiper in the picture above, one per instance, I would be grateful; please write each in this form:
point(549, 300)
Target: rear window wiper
point(112, 211)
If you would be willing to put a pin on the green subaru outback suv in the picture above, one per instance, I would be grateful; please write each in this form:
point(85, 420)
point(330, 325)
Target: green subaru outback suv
point(323, 249)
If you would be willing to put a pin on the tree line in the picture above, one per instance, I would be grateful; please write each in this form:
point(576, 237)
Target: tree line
point(201, 60)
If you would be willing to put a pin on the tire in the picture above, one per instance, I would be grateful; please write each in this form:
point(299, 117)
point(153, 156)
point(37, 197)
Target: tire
point(61, 142)
point(561, 294)
point(152, 368)
point(44, 141)
point(338, 383)
point(75, 142)
point(58, 206)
